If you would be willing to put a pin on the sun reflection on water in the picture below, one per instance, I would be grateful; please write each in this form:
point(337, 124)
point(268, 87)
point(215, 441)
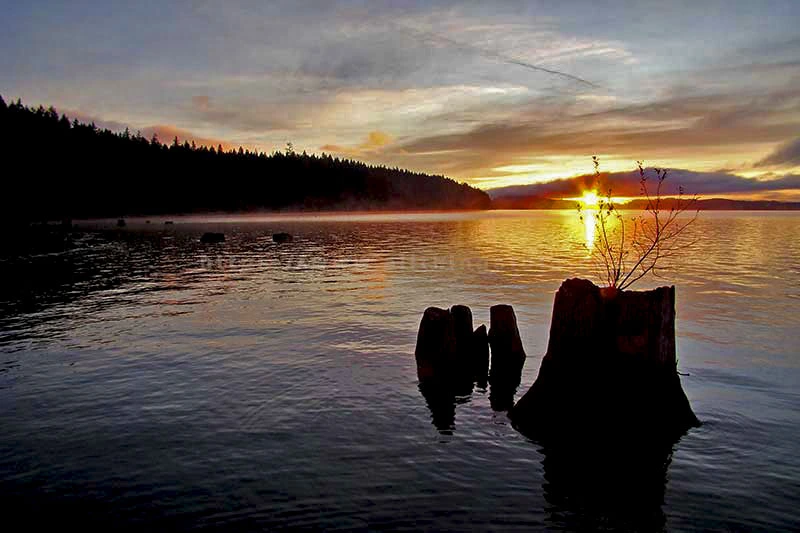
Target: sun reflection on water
point(589, 227)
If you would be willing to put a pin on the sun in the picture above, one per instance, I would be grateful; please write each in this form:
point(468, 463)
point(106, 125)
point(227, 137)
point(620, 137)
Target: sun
point(590, 199)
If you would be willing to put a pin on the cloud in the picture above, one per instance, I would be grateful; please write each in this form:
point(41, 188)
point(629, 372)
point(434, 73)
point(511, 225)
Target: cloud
point(460, 86)
point(787, 155)
point(376, 140)
point(202, 103)
point(241, 116)
point(679, 126)
point(626, 184)
point(493, 55)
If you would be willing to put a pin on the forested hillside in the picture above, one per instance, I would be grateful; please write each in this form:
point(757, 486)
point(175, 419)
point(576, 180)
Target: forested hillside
point(55, 168)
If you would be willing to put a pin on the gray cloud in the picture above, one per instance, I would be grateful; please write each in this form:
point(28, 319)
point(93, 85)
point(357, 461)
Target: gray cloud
point(786, 155)
point(662, 129)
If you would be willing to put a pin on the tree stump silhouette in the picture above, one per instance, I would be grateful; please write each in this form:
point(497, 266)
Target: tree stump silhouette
point(610, 366)
point(451, 357)
point(436, 344)
point(480, 356)
point(508, 356)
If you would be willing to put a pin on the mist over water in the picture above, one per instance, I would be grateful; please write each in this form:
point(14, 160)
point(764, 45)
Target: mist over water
point(151, 381)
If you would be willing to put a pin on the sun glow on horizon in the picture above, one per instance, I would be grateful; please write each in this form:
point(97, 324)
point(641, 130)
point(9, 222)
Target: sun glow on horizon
point(592, 200)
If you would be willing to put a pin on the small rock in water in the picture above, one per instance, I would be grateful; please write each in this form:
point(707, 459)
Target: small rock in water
point(168, 222)
point(211, 237)
point(121, 223)
point(282, 237)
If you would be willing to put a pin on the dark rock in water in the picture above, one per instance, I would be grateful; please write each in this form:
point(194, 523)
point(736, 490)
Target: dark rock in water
point(168, 223)
point(282, 237)
point(508, 356)
point(211, 237)
point(610, 367)
point(121, 223)
point(436, 344)
point(147, 222)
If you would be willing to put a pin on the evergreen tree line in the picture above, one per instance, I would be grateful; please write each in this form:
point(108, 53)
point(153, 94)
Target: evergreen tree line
point(56, 168)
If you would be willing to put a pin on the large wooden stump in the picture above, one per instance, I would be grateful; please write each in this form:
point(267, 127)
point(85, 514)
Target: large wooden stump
point(610, 366)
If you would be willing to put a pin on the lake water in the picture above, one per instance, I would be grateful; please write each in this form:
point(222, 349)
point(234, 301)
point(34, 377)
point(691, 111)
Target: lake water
point(153, 382)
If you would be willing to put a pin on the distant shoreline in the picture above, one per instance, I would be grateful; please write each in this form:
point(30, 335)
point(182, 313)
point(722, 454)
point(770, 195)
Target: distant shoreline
point(710, 204)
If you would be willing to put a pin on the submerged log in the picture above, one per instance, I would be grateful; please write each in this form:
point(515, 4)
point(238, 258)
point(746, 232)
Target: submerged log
point(282, 237)
point(610, 366)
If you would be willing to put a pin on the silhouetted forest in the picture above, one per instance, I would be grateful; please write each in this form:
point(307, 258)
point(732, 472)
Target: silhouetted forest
point(55, 168)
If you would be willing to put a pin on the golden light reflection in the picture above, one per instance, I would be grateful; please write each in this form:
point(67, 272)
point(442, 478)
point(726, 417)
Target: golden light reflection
point(589, 226)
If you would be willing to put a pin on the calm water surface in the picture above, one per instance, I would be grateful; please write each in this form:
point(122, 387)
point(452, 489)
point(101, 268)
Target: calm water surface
point(150, 381)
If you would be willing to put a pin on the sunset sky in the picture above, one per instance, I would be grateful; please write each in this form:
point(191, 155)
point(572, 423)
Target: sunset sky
point(494, 94)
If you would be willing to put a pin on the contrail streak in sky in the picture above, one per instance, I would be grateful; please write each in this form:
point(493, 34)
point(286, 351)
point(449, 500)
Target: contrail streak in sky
point(429, 36)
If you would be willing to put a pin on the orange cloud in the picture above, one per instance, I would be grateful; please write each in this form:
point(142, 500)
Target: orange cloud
point(375, 141)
